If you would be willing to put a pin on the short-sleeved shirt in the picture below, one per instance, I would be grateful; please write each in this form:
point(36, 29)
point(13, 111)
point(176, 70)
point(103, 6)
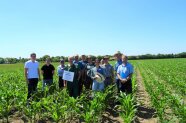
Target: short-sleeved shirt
point(32, 69)
point(47, 71)
point(84, 63)
point(125, 70)
point(79, 64)
point(99, 70)
point(117, 64)
point(60, 70)
point(89, 66)
point(108, 70)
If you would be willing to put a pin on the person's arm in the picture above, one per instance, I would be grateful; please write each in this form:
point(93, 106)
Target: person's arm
point(26, 75)
point(39, 74)
point(53, 72)
point(79, 75)
point(131, 73)
point(129, 77)
point(112, 74)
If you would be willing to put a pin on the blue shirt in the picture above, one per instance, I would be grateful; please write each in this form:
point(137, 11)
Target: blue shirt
point(108, 70)
point(125, 70)
point(117, 64)
point(83, 63)
point(78, 63)
point(99, 70)
point(60, 70)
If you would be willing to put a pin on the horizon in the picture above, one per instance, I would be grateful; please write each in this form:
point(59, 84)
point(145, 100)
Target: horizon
point(65, 28)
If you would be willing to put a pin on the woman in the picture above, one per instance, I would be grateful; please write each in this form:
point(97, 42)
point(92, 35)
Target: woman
point(97, 71)
point(60, 71)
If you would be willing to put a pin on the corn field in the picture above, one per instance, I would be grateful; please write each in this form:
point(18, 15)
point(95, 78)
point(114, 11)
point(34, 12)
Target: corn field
point(164, 80)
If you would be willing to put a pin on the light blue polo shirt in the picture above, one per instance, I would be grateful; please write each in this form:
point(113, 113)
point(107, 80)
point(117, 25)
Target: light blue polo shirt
point(125, 70)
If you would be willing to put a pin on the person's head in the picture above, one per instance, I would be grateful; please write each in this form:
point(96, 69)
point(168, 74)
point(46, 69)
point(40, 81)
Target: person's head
point(76, 57)
point(48, 60)
point(106, 59)
point(102, 61)
point(62, 61)
point(83, 57)
point(33, 56)
point(118, 55)
point(70, 60)
point(89, 58)
point(97, 62)
point(124, 58)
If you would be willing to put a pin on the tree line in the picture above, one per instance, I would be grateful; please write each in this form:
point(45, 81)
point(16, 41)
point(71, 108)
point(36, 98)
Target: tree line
point(57, 58)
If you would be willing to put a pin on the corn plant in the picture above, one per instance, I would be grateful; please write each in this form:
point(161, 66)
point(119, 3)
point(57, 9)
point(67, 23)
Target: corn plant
point(127, 107)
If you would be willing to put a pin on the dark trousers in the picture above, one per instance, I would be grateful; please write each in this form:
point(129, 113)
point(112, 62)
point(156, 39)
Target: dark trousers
point(126, 87)
point(32, 86)
point(80, 84)
point(88, 83)
point(61, 82)
point(118, 85)
point(73, 89)
point(108, 81)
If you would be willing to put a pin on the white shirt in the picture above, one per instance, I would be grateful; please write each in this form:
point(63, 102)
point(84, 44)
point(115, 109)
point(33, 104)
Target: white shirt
point(32, 69)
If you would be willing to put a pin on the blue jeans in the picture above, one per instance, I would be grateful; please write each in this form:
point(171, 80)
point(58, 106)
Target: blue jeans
point(47, 82)
point(97, 86)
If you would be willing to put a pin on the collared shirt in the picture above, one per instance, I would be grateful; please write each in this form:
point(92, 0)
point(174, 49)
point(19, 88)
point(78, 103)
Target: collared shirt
point(108, 70)
point(83, 64)
point(125, 70)
point(117, 64)
point(89, 66)
point(78, 64)
point(32, 69)
point(60, 70)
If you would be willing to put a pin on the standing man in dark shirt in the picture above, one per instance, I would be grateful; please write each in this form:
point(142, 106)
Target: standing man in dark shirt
point(47, 71)
point(83, 73)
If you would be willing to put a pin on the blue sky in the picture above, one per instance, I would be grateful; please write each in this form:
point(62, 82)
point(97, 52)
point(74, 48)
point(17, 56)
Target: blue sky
point(97, 27)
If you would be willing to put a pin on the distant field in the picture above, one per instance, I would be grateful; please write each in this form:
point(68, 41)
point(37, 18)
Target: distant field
point(164, 80)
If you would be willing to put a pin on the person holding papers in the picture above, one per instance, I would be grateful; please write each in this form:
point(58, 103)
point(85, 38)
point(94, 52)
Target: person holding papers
point(72, 71)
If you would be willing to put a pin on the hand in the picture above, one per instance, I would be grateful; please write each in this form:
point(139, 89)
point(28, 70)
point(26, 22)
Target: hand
point(95, 77)
point(123, 81)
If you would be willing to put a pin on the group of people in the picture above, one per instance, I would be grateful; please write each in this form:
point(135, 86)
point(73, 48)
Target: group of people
point(94, 76)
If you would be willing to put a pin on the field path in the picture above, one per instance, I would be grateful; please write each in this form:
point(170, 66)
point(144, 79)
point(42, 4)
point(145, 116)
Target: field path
point(145, 113)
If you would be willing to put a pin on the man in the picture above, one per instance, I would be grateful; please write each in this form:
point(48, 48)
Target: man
point(88, 67)
point(73, 87)
point(47, 71)
point(32, 75)
point(60, 71)
point(83, 73)
point(109, 72)
point(124, 73)
point(78, 64)
point(117, 55)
